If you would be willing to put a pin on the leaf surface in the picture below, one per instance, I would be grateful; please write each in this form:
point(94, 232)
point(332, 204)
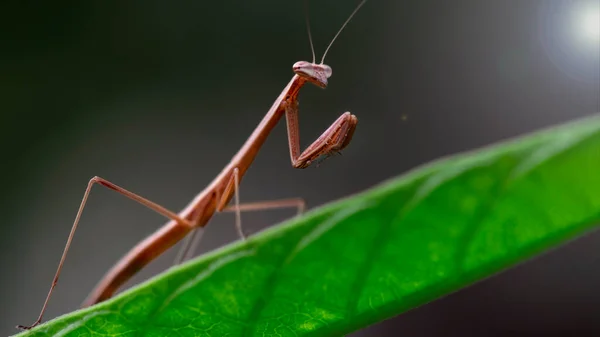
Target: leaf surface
point(374, 255)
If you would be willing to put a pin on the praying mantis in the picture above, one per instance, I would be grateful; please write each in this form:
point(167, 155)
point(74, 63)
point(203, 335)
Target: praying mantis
point(218, 194)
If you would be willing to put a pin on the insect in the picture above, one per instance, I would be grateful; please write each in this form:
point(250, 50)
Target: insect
point(217, 195)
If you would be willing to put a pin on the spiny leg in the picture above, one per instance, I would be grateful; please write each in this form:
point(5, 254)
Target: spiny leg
point(189, 245)
point(236, 195)
point(191, 242)
point(297, 203)
point(97, 180)
point(264, 205)
point(333, 140)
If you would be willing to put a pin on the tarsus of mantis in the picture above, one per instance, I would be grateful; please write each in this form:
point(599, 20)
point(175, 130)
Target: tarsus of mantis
point(216, 196)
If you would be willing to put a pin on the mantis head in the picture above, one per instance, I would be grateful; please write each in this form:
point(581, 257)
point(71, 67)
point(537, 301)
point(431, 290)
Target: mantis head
point(319, 73)
point(314, 73)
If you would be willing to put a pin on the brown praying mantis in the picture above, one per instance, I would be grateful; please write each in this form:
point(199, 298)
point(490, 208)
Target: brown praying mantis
point(217, 195)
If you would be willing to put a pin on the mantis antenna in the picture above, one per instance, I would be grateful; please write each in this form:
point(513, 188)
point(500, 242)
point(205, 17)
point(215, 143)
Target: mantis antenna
point(312, 46)
point(342, 28)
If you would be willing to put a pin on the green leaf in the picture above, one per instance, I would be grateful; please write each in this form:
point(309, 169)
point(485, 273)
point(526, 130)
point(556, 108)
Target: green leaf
point(374, 255)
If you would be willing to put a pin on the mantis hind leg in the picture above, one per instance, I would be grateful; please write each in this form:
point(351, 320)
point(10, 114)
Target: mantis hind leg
point(133, 196)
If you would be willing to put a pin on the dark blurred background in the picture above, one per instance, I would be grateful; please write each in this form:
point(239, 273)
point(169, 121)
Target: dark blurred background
point(157, 96)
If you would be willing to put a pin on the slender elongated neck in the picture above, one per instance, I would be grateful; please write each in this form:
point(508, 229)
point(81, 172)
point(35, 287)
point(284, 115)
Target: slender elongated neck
point(245, 156)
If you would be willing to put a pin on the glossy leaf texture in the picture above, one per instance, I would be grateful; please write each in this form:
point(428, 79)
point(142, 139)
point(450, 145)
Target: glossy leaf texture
point(374, 255)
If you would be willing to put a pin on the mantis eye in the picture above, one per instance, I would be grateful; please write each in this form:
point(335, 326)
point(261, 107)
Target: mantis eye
point(327, 70)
